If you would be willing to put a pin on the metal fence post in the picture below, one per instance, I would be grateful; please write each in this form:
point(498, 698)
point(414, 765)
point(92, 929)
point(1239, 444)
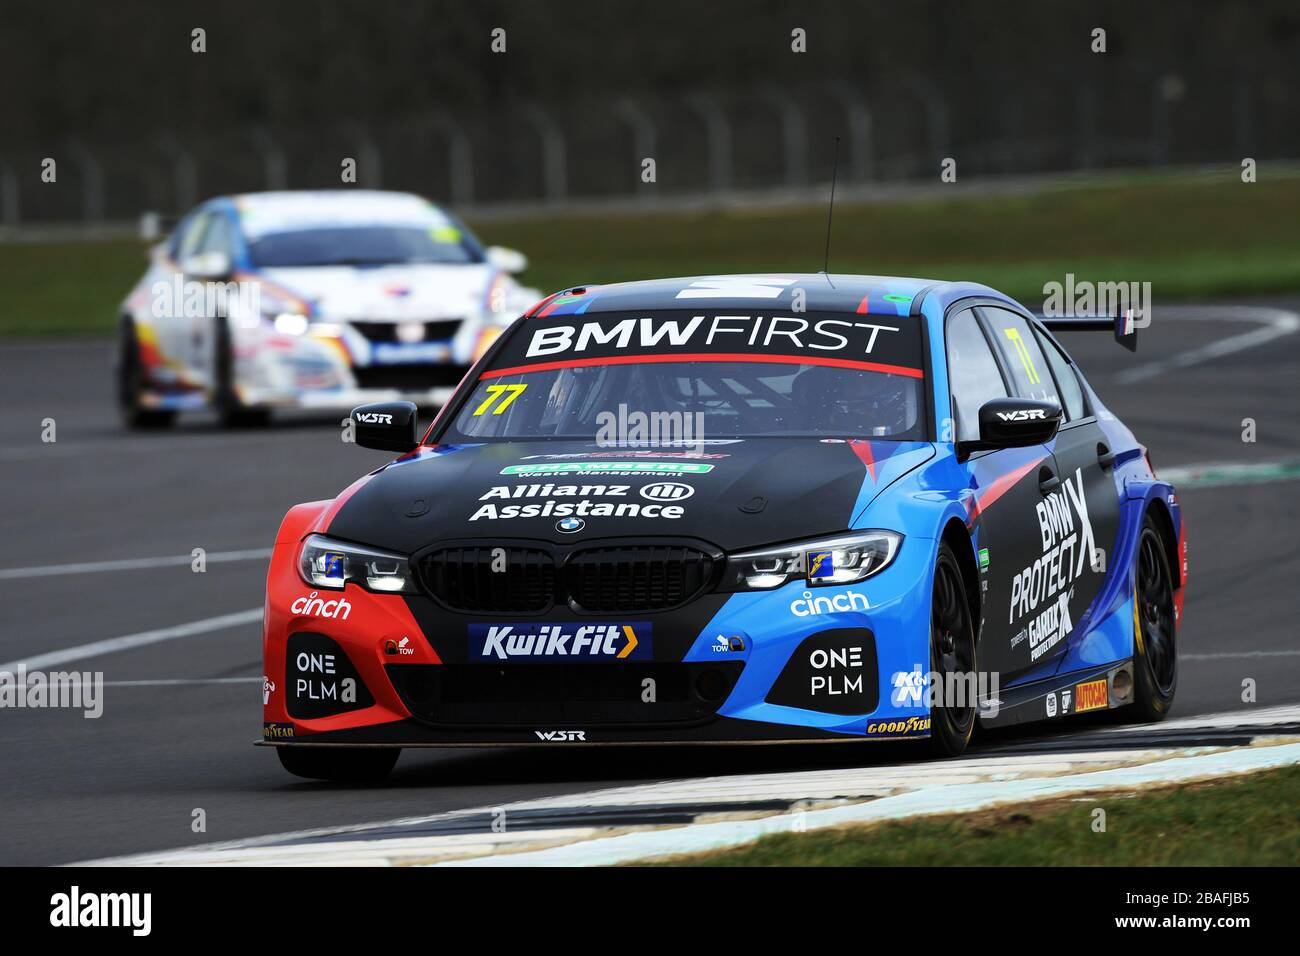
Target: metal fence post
point(717, 131)
point(8, 195)
point(370, 164)
point(460, 157)
point(794, 136)
point(92, 180)
point(184, 175)
point(275, 167)
point(554, 156)
point(861, 159)
point(644, 134)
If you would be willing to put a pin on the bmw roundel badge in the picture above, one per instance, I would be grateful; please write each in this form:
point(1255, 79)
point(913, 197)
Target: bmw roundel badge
point(570, 525)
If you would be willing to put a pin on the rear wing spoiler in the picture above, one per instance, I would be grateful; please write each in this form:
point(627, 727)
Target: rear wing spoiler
point(1123, 325)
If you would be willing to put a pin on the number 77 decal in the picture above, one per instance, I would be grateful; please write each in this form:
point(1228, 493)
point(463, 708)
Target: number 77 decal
point(507, 394)
point(1014, 335)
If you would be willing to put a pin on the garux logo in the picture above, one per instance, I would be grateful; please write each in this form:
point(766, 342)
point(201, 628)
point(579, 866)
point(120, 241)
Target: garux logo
point(561, 735)
point(1022, 415)
point(375, 418)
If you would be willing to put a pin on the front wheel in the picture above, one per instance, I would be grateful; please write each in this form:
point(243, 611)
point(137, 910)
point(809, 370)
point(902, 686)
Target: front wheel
point(231, 412)
point(1154, 628)
point(952, 652)
point(350, 764)
point(131, 385)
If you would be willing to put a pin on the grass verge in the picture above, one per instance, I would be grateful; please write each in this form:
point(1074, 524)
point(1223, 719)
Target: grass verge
point(1236, 821)
point(1191, 237)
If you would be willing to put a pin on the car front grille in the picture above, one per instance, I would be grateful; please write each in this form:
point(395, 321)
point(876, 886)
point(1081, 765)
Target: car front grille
point(438, 331)
point(465, 579)
point(613, 578)
point(638, 578)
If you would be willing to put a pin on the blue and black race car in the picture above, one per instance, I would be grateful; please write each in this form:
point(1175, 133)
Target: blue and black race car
point(732, 508)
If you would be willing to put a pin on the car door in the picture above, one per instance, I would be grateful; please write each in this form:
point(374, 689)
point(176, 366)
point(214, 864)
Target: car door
point(170, 311)
point(1078, 515)
point(217, 236)
point(1003, 494)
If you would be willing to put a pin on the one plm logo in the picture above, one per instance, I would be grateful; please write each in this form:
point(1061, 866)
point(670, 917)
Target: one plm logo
point(560, 642)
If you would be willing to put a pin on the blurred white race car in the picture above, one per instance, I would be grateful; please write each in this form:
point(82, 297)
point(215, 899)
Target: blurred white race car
point(316, 300)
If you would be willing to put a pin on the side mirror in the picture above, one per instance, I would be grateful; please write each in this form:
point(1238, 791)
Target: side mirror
point(387, 426)
point(207, 265)
point(507, 260)
point(1014, 423)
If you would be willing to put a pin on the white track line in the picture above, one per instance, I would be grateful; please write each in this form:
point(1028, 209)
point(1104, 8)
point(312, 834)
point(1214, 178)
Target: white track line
point(96, 648)
point(130, 564)
point(928, 801)
point(1277, 323)
point(1228, 655)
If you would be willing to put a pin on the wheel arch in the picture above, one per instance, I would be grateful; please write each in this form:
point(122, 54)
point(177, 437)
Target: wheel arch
point(1159, 511)
point(957, 537)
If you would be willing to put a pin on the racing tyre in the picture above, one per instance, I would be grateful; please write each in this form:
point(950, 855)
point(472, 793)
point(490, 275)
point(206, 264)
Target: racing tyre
point(230, 410)
point(353, 764)
point(1155, 664)
point(131, 385)
point(952, 651)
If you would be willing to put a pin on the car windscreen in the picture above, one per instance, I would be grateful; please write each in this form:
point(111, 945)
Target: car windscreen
point(372, 245)
point(616, 377)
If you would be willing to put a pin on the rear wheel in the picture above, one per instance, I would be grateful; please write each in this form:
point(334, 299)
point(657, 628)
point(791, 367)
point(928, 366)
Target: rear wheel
point(355, 764)
point(952, 652)
point(130, 385)
point(1155, 631)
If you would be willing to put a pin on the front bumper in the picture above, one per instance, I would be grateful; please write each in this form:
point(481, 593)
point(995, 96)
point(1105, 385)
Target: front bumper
point(793, 664)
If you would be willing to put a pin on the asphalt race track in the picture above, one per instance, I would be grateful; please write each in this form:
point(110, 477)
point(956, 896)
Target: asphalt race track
point(182, 705)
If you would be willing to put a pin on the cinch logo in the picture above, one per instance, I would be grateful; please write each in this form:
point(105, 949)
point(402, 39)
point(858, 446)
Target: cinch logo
point(313, 606)
point(550, 642)
point(1090, 696)
point(828, 603)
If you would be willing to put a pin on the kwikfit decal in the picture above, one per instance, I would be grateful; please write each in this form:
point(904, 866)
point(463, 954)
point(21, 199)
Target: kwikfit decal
point(559, 642)
point(1044, 588)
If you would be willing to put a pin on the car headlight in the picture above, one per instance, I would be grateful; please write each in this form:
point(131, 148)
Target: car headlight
point(326, 563)
point(842, 559)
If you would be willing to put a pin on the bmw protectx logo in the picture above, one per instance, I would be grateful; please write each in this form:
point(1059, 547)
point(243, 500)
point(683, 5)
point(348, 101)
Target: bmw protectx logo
point(570, 525)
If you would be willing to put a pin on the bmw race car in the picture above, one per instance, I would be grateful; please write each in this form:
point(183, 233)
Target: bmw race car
point(732, 509)
point(310, 300)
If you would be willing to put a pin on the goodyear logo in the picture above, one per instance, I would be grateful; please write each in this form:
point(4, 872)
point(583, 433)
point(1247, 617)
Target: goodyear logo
point(560, 642)
point(1090, 696)
point(821, 564)
point(903, 727)
point(272, 731)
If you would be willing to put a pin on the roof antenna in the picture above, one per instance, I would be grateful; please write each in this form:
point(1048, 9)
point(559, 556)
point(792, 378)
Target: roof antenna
point(830, 211)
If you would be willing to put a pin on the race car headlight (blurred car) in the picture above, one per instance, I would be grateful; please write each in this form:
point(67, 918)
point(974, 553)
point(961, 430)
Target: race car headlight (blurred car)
point(843, 559)
point(326, 563)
